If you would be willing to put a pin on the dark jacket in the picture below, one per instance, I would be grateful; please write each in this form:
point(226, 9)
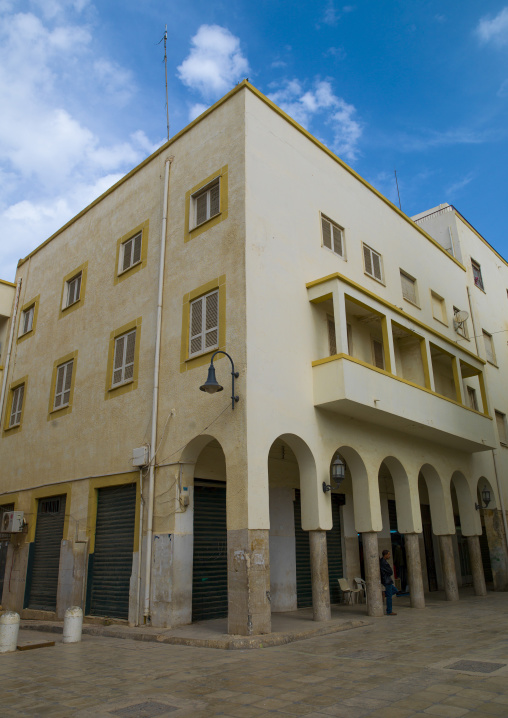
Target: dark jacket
point(386, 572)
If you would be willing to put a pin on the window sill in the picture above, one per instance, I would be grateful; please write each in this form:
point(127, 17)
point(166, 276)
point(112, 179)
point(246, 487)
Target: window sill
point(71, 306)
point(480, 288)
point(26, 335)
point(121, 384)
point(379, 281)
point(440, 321)
point(208, 350)
point(14, 426)
point(124, 271)
point(203, 224)
point(413, 304)
point(492, 363)
point(60, 408)
point(503, 444)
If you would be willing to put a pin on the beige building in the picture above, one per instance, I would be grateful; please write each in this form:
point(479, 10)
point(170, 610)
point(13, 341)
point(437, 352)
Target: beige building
point(370, 413)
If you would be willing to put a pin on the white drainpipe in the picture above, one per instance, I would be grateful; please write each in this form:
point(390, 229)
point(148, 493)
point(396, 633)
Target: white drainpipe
point(153, 441)
point(9, 346)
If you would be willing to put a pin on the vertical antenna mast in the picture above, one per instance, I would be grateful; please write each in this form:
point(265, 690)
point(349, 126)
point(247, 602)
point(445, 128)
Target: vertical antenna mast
point(166, 72)
point(396, 182)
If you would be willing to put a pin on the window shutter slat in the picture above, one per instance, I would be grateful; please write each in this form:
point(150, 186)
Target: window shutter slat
point(332, 337)
point(408, 288)
point(129, 356)
point(337, 240)
point(201, 204)
point(327, 234)
point(368, 260)
point(127, 252)
point(376, 263)
point(196, 326)
point(17, 405)
point(212, 310)
point(214, 200)
point(136, 255)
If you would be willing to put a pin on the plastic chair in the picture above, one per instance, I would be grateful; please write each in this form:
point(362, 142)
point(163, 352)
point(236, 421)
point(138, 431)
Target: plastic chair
point(346, 589)
point(362, 586)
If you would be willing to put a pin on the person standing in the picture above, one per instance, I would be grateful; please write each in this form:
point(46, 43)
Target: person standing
point(387, 581)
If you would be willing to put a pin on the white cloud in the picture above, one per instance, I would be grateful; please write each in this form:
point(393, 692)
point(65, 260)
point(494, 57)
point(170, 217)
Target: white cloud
point(494, 30)
point(455, 187)
point(215, 62)
point(320, 104)
point(503, 90)
point(197, 110)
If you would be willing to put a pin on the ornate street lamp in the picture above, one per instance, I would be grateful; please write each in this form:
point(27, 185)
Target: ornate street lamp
point(338, 474)
point(485, 499)
point(211, 385)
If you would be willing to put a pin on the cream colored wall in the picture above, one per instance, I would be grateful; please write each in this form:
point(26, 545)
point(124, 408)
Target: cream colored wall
point(289, 181)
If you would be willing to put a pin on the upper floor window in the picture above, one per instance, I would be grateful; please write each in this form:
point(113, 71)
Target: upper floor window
point(408, 284)
point(206, 202)
point(131, 252)
point(333, 236)
point(73, 290)
point(63, 384)
point(477, 274)
point(123, 362)
point(489, 347)
point(372, 261)
point(204, 323)
point(501, 427)
point(27, 320)
point(438, 307)
point(16, 406)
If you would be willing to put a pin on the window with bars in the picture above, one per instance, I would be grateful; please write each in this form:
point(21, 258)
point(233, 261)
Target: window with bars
point(73, 287)
point(372, 261)
point(501, 427)
point(27, 320)
point(123, 362)
point(378, 354)
point(333, 236)
point(408, 284)
point(17, 406)
point(489, 347)
point(63, 384)
point(204, 323)
point(206, 203)
point(477, 274)
point(131, 252)
point(471, 398)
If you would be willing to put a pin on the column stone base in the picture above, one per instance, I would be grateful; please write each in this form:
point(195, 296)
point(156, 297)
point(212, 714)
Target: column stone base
point(414, 569)
point(320, 579)
point(448, 564)
point(372, 574)
point(249, 611)
point(475, 557)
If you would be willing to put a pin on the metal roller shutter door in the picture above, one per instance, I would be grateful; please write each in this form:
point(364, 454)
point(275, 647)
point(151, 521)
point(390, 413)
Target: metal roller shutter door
point(210, 565)
point(43, 576)
point(334, 548)
point(112, 558)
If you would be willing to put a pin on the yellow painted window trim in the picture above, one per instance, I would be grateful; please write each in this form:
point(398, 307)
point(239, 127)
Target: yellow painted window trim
point(10, 430)
point(35, 303)
point(131, 384)
point(62, 410)
point(392, 307)
point(48, 492)
point(187, 362)
point(193, 232)
point(65, 310)
point(336, 357)
point(104, 482)
point(121, 275)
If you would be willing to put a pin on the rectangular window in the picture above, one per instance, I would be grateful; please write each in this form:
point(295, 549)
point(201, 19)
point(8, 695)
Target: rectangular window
point(131, 252)
point(16, 406)
point(204, 323)
point(460, 324)
point(489, 347)
point(378, 354)
point(73, 290)
point(333, 236)
point(206, 203)
point(332, 338)
point(477, 274)
point(27, 320)
point(501, 427)
point(471, 398)
point(63, 384)
point(438, 307)
point(408, 284)
point(372, 262)
point(123, 363)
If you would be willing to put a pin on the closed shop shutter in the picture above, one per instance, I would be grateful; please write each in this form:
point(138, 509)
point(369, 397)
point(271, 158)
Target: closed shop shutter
point(334, 549)
point(210, 564)
point(4, 546)
point(43, 571)
point(111, 568)
point(484, 548)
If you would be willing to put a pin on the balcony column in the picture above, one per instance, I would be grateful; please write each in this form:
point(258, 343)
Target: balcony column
point(414, 570)
point(457, 378)
point(339, 312)
point(388, 348)
point(372, 573)
point(319, 572)
point(475, 557)
point(448, 565)
point(427, 364)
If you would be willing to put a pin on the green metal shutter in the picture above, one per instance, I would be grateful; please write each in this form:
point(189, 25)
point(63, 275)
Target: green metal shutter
point(210, 563)
point(484, 548)
point(303, 575)
point(114, 544)
point(46, 554)
point(4, 546)
point(334, 550)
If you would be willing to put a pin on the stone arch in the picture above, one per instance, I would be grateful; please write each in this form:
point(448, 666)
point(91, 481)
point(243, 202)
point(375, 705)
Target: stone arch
point(366, 503)
point(408, 508)
point(469, 517)
point(190, 453)
point(440, 502)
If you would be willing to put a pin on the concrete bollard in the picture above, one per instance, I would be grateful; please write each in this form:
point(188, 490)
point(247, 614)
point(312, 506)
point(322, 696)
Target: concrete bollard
point(9, 627)
point(73, 625)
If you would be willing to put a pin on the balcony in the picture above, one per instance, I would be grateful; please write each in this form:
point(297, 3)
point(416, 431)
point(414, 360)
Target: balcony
point(348, 386)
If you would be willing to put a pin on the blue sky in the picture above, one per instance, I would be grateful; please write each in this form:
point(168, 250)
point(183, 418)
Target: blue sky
point(420, 87)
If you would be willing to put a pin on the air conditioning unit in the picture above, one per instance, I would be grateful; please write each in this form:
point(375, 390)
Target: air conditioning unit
point(12, 522)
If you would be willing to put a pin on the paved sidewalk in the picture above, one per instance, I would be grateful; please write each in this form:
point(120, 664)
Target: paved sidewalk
point(448, 660)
